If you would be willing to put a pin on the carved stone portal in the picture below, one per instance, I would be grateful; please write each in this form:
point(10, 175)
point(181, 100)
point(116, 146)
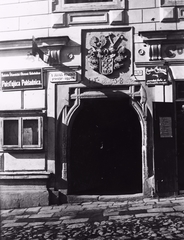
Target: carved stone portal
point(78, 96)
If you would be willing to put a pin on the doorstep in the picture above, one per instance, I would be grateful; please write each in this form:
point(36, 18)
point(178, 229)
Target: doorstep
point(104, 198)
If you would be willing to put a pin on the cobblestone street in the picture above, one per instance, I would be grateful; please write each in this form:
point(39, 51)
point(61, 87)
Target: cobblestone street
point(141, 219)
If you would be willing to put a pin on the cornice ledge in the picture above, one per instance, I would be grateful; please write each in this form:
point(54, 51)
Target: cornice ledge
point(46, 42)
point(165, 35)
point(150, 63)
point(25, 175)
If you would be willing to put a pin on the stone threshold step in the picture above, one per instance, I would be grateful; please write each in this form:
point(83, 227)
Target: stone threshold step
point(104, 198)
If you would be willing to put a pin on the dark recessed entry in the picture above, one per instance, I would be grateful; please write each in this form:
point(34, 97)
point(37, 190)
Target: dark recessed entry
point(105, 148)
point(180, 143)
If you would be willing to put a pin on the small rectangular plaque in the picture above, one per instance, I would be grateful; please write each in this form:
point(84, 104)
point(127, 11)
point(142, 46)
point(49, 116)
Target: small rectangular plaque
point(165, 127)
point(57, 77)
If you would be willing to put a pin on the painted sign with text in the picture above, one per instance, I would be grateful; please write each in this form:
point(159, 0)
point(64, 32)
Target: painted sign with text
point(62, 77)
point(156, 75)
point(22, 79)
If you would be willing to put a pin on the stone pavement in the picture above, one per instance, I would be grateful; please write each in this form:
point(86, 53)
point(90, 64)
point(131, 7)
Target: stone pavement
point(127, 219)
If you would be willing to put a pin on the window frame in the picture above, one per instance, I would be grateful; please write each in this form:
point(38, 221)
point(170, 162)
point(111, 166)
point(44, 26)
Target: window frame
point(19, 133)
point(178, 93)
point(61, 6)
point(166, 3)
point(20, 145)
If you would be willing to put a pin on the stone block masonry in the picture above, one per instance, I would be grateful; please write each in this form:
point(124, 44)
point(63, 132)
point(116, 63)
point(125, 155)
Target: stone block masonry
point(23, 199)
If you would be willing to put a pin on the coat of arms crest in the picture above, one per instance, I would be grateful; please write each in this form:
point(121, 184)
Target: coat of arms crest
point(107, 53)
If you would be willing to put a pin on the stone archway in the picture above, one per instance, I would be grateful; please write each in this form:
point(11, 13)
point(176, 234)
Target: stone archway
point(103, 154)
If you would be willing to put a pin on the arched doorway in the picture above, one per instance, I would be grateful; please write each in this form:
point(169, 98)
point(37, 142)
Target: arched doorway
point(105, 150)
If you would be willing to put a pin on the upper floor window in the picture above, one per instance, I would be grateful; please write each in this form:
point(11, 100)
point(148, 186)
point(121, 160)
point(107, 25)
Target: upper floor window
point(171, 3)
point(86, 1)
point(83, 5)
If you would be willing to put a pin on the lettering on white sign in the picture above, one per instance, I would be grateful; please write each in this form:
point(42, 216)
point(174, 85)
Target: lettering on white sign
point(156, 75)
point(22, 79)
point(62, 77)
point(156, 71)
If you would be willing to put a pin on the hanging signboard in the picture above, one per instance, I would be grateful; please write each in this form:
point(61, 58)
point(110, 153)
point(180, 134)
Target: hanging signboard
point(22, 79)
point(156, 75)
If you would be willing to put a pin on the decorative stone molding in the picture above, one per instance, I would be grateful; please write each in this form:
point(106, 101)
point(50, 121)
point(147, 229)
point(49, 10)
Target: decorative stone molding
point(164, 46)
point(155, 52)
point(113, 17)
point(43, 43)
point(167, 14)
point(87, 18)
point(108, 59)
point(171, 10)
point(138, 99)
point(165, 3)
point(51, 56)
point(116, 17)
point(181, 13)
point(57, 20)
point(164, 36)
point(63, 6)
point(26, 175)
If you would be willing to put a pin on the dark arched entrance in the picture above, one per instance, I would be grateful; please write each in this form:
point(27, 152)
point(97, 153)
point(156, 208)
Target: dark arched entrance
point(105, 148)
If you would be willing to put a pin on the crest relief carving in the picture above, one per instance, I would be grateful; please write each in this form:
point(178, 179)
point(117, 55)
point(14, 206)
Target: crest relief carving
point(107, 56)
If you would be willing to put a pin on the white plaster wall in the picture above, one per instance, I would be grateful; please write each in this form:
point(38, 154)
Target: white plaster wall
point(168, 93)
point(34, 99)
point(178, 72)
point(158, 96)
point(10, 100)
point(23, 61)
point(23, 162)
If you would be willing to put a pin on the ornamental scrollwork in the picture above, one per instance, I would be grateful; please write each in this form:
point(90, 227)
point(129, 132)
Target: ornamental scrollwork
point(107, 53)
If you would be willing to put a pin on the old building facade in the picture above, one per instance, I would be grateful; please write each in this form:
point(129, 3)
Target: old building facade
point(92, 99)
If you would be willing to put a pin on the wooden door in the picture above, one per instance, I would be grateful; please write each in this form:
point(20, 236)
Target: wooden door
point(165, 148)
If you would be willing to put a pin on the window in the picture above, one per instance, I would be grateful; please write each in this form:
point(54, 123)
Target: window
point(23, 133)
point(11, 132)
point(180, 90)
point(83, 5)
point(30, 132)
